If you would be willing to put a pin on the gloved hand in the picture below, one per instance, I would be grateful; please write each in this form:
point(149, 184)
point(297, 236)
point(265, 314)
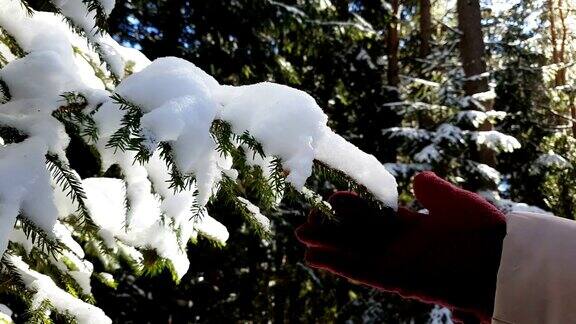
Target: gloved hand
point(449, 256)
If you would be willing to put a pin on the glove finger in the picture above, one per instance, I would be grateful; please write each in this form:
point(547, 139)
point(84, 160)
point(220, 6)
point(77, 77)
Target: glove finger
point(432, 191)
point(444, 199)
point(315, 236)
point(408, 217)
point(348, 206)
point(358, 232)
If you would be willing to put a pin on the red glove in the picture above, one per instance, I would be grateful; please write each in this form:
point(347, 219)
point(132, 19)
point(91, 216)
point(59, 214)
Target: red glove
point(449, 257)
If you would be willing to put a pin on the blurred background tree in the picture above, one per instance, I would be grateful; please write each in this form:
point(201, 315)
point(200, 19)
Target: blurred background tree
point(481, 92)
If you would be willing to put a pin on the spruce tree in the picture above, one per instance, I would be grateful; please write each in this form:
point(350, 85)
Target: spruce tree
point(112, 161)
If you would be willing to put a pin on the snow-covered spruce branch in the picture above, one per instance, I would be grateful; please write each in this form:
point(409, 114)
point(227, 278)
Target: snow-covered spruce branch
point(169, 142)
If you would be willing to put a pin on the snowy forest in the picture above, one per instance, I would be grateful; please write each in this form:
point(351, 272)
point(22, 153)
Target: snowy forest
point(156, 156)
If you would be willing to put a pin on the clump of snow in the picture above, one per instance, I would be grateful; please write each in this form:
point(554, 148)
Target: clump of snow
point(408, 133)
point(106, 205)
point(427, 83)
point(46, 289)
point(212, 229)
point(485, 96)
point(25, 188)
point(448, 133)
point(290, 124)
point(496, 141)
point(113, 53)
point(169, 78)
point(428, 154)
point(477, 117)
point(180, 110)
point(18, 236)
point(73, 254)
point(107, 6)
point(64, 236)
point(509, 206)
point(548, 160)
point(5, 314)
point(342, 155)
point(479, 99)
point(260, 219)
point(38, 74)
point(286, 121)
point(316, 198)
point(440, 315)
point(489, 172)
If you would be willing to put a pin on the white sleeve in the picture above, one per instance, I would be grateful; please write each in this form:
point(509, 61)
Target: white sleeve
point(537, 276)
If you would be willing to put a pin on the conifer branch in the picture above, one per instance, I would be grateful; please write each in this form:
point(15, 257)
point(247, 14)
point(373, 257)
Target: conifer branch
point(38, 237)
point(197, 210)
point(178, 180)
point(106, 78)
point(29, 10)
point(223, 136)
point(72, 185)
point(128, 137)
point(3, 62)
point(252, 144)
point(73, 116)
point(248, 217)
point(11, 43)
point(11, 279)
point(344, 182)
point(154, 265)
point(5, 95)
point(99, 15)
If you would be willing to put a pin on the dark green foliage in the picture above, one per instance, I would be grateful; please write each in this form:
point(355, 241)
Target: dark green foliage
point(38, 237)
point(128, 137)
point(178, 180)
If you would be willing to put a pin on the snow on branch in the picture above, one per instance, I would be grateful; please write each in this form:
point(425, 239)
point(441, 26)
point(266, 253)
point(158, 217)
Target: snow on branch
point(550, 160)
point(169, 141)
point(510, 206)
point(496, 141)
point(477, 117)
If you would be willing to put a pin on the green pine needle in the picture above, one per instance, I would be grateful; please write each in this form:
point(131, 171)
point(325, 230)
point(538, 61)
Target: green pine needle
point(72, 185)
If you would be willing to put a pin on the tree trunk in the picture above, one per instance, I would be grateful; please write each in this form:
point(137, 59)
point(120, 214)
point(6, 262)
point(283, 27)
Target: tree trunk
point(472, 47)
point(558, 42)
point(392, 42)
point(472, 52)
point(425, 20)
point(425, 28)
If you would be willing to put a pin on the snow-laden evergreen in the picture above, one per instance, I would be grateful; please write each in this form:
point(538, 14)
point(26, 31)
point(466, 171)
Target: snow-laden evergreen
point(168, 138)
